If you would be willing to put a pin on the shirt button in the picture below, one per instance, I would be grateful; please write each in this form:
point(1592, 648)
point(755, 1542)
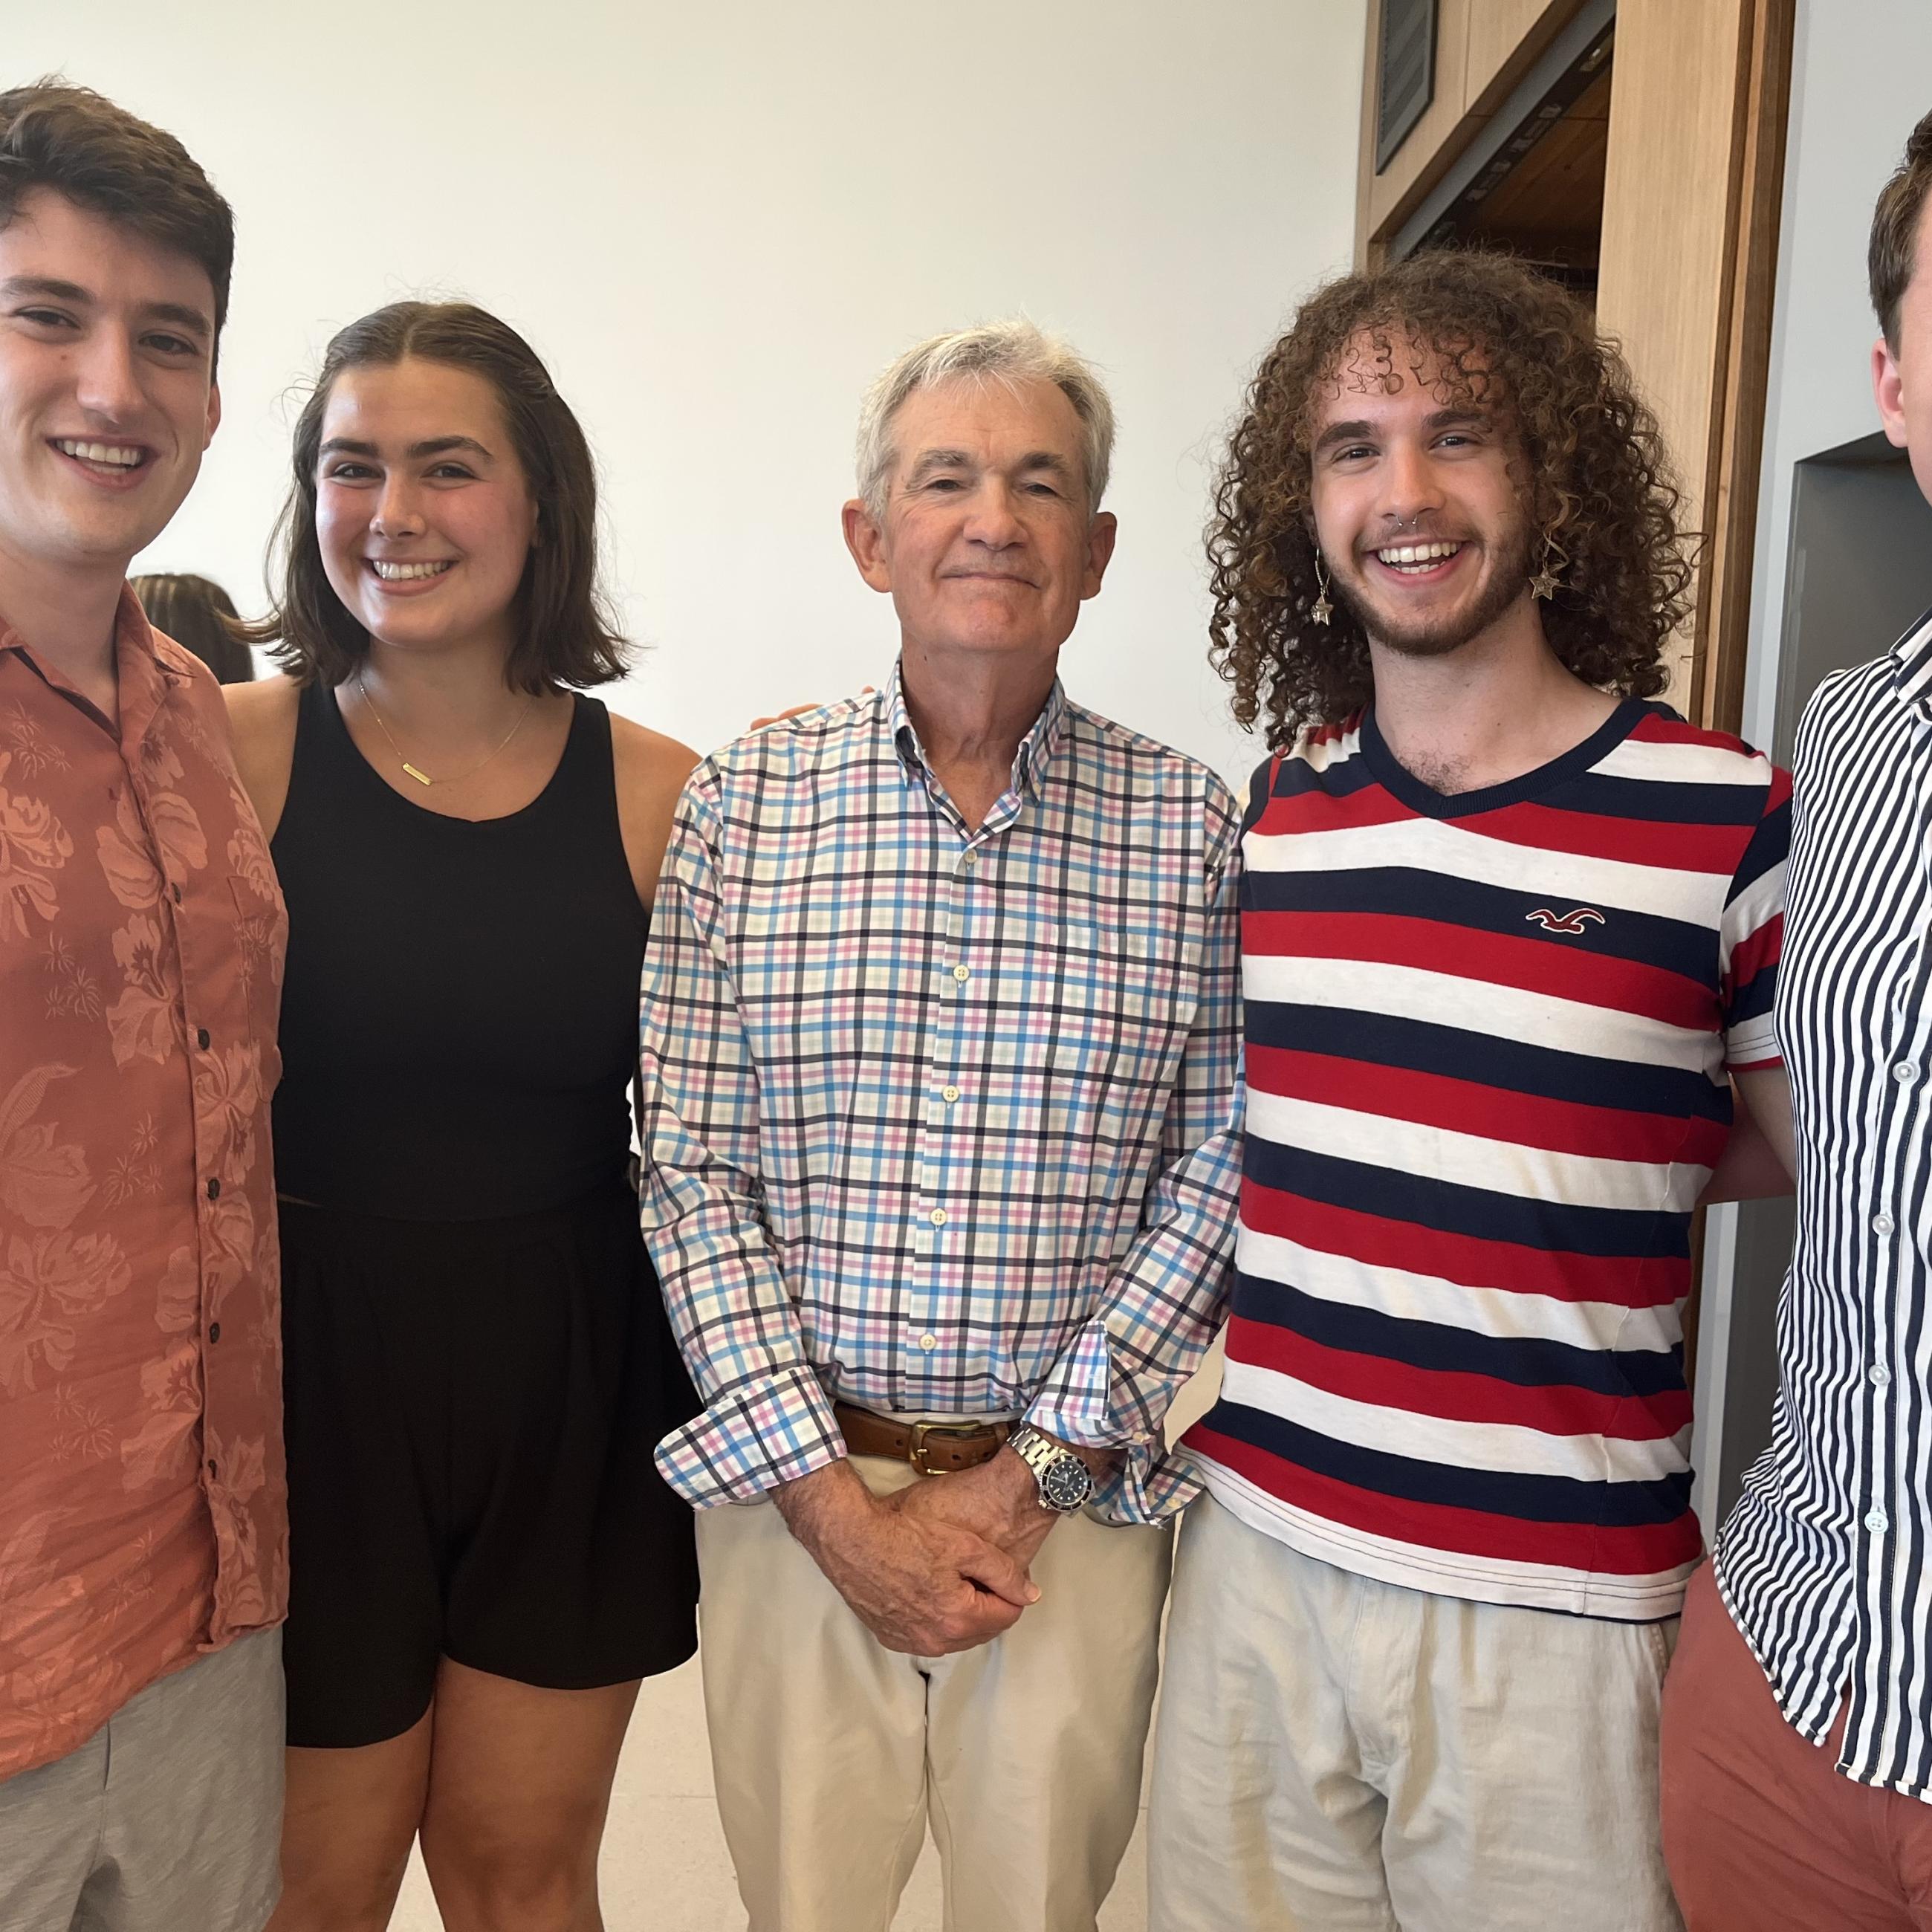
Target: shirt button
point(929, 1342)
point(962, 974)
point(939, 1217)
point(1881, 1376)
point(1905, 1073)
point(201, 1038)
point(213, 1188)
point(972, 858)
point(949, 1094)
point(215, 1331)
point(1877, 1521)
point(213, 1468)
point(1882, 1224)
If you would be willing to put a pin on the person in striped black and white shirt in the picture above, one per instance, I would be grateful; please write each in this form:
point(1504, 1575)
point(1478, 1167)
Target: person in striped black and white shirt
point(1510, 930)
point(1797, 1734)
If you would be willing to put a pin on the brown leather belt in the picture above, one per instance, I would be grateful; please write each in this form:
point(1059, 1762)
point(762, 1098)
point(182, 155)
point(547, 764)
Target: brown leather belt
point(933, 1448)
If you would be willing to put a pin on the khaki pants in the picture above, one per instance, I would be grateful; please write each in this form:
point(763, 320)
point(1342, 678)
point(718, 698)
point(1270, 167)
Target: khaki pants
point(831, 1753)
point(1340, 1755)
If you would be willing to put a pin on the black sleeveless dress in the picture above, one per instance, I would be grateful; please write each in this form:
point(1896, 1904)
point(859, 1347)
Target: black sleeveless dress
point(477, 1363)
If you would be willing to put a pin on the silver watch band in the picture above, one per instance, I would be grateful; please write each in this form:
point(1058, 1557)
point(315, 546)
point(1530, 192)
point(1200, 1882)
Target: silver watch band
point(1064, 1481)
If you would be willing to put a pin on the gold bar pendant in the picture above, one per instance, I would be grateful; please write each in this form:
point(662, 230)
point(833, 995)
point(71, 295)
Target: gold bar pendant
point(421, 778)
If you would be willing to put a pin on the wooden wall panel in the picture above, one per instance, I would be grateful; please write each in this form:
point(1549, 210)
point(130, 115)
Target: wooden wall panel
point(1482, 49)
point(1723, 617)
point(1507, 38)
point(1666, 259)
point(1675, 250)
point(1368, 253)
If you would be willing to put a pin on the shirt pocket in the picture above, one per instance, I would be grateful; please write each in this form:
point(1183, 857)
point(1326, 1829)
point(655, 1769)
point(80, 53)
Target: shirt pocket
point(1124, 1001)
point(1110, 1030)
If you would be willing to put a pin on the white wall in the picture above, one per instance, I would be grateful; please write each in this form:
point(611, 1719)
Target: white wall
point(718, 221)
point(1862, 78)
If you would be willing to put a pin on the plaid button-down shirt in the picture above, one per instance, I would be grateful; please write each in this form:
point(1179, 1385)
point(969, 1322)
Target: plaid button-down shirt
point(941, 1121)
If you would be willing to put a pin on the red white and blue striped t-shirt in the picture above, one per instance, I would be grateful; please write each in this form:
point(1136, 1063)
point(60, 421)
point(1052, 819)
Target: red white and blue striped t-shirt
point(1488, 1040)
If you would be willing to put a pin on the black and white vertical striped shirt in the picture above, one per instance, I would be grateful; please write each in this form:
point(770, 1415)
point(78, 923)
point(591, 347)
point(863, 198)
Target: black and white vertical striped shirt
point(1826, 1562)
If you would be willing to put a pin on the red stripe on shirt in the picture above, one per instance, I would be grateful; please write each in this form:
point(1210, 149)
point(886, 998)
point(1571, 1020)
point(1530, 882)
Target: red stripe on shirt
point(1648, 1549)
point(1491, 1113)
point(1628, 841)
point(1622, 1280)
point(1752, 954)
point(1560, 969)
point(1652, 729)
point(1318, 810)
point(1455, 1395)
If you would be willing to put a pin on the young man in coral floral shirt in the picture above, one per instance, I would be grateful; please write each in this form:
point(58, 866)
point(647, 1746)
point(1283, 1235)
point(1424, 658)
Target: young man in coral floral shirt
point(142, 1532)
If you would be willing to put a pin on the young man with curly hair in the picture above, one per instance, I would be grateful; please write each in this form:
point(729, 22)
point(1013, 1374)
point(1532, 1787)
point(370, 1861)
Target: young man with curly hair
point(1798, 1732)
point(1510, 931)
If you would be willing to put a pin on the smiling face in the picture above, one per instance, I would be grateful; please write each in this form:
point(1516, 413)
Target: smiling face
point(987, 546)
point(106, 401)
point(423, 512)
point(1417, 515)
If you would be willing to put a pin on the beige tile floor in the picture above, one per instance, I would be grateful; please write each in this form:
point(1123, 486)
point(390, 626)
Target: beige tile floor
point(664, 1868)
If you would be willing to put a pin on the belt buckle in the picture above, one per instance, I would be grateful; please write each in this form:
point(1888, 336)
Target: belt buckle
point(916, 1455)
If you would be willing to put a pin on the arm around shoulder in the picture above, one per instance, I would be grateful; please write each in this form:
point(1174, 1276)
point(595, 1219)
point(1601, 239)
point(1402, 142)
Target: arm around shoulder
point(262, 718)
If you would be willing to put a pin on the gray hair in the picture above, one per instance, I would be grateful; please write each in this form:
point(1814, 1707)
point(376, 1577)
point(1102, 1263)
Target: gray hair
point(1011, 352)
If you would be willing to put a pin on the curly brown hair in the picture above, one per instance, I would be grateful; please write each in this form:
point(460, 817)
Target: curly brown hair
point(1587, 457)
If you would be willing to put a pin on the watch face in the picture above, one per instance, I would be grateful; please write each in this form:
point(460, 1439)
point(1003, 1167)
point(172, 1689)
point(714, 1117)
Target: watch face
point(1065, 1483)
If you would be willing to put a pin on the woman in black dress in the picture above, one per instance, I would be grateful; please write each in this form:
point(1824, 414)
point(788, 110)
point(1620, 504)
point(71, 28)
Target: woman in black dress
point(484, 1561)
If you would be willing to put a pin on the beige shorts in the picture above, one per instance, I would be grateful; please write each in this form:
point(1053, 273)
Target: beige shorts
point(1336, 1754)
point(169, 1819)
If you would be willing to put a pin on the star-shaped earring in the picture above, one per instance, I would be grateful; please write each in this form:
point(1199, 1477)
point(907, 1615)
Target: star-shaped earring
point(1543, 585)
point(1320, 610)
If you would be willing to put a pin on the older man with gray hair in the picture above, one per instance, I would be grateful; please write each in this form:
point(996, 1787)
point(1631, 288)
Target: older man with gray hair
point(940, 1071)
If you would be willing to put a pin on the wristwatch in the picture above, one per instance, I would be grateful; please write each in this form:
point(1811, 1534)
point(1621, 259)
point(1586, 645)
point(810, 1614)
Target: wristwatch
point(1066, 1483)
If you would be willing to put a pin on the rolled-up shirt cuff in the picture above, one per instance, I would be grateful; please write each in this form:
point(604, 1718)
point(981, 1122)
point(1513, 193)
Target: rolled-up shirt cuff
point(751, 1439)
point(1082, 1401)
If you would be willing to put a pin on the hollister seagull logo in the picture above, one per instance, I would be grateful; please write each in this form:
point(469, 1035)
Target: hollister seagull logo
point(1571, 921)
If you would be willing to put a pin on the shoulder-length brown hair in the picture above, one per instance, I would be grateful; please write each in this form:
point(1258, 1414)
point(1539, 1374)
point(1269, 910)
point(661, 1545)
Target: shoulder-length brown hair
point(566, 635)
point(1589, 466)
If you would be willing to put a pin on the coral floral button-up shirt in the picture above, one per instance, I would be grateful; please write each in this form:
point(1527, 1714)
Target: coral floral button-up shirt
point(143, 1516)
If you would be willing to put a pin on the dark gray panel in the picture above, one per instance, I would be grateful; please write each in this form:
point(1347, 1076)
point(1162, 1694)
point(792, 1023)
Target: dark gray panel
point(1406, 82)
point(1750, 1382)
point(1860, 569)
point(1860, 572)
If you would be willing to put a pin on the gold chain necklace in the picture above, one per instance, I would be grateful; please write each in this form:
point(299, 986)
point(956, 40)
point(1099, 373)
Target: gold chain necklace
point(421, 777)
